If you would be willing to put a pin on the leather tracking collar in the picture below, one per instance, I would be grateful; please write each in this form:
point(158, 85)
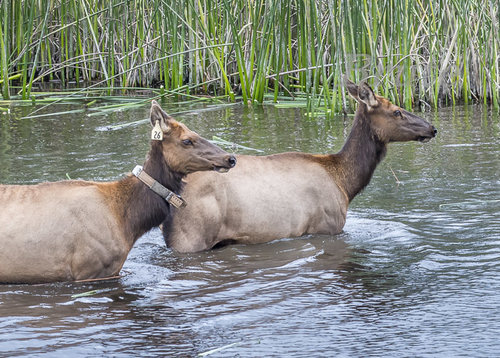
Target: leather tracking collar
point(169, 196)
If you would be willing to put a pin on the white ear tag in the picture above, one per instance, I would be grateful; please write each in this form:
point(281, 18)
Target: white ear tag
point(157, 133)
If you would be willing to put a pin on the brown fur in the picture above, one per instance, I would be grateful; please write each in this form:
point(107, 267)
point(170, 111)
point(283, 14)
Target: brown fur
point(292, 194)
point(76, 230)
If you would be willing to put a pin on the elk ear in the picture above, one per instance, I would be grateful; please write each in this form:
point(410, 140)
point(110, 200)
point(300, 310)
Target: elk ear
point(367, 96)
point(352, 88)
point(158, 115)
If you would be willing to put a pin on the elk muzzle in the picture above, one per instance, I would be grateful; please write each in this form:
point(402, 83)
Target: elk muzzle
point(426, 138)
point(230, 161)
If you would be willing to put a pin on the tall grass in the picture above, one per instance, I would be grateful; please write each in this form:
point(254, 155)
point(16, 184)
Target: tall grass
point(436, 52)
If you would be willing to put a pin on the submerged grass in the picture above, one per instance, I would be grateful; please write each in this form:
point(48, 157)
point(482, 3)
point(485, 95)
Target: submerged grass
point(414, 52)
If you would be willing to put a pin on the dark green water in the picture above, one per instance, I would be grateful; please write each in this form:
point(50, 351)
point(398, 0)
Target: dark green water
point(416, 271)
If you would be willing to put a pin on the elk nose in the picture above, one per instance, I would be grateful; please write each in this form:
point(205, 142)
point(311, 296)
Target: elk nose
point(231, 161)
point(434, 130)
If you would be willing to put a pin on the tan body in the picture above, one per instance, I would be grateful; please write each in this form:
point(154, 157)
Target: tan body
point(291, 194)
point(42, 242)
point(75, 230)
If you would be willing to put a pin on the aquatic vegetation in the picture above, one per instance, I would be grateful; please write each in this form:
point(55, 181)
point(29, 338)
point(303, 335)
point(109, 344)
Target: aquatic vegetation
point(425, 53)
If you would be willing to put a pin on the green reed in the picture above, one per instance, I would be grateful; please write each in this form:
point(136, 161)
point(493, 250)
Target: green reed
point(414, 52)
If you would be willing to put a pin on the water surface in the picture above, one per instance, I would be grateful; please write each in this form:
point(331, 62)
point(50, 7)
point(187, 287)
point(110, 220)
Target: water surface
point(416, 271)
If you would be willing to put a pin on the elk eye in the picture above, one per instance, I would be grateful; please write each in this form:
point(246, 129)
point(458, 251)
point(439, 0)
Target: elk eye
point(397, 113)
point(187, 142)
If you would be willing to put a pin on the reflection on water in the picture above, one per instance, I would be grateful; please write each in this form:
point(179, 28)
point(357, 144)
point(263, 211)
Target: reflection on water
point(416, 271)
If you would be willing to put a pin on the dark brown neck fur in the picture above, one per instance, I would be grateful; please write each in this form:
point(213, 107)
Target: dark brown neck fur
point(355, 164)
point(140, 207)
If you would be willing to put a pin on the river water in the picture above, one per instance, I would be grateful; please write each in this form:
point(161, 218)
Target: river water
point(416, 271)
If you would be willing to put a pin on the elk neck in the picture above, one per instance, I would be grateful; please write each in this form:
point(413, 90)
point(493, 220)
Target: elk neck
point(355, 164)
point(140, 208)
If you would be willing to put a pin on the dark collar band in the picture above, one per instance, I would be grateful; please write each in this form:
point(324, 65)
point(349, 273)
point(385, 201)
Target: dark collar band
point(171, 197)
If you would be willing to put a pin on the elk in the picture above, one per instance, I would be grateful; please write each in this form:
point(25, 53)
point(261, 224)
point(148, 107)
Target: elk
point(292, 194)
point(77, 230)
